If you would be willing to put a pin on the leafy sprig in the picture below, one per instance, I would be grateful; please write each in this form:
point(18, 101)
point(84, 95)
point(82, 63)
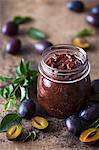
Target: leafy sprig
point(24, 78)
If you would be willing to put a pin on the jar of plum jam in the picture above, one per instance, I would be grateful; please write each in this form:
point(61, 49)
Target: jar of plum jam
point(63, 86)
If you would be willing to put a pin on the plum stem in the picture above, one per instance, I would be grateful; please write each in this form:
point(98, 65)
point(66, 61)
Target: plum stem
point(27, 95)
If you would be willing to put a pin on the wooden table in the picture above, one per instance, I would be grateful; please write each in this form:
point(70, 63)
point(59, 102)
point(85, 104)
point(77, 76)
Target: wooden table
point(61, 25)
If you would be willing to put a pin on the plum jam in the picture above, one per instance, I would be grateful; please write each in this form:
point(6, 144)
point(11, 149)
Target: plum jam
point(63, 86)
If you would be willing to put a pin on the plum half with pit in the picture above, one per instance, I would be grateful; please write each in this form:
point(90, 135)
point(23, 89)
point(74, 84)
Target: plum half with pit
point(17, 133)
point(90, 136)
point(75, 125)
point(27, 109)
point(39, 123)
point(81, 42)
point(14, 132)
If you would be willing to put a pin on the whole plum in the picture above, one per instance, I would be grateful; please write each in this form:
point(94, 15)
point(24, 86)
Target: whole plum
point(27, 109)
point(13, 46)
point(41, 46)
point(90, 113)
point(76, 6)
point(10, 28)
point(93, 19)
point(95, 87)
point(75, 125)
point(95, 9)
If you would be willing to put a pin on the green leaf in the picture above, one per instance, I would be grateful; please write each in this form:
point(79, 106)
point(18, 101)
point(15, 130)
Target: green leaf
point(3, 78)
point(18, 71)
point(10, 89)
point(18, 80)
point(1, 92)
point(30, 135)
point(33, 135)
point(23, 93)
point(6, 105)
point(24, 66)
point(26, 82)
point(34, 76)
point(13, 102)
point(4, 92)
point(21, 19)
point(8, 121)
point(36, 34)
point(26, 137)
point(84, 32)
point(34, 73)
point(95, 124)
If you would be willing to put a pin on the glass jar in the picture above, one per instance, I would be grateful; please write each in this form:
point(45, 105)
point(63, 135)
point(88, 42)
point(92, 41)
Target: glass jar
point(63, 92)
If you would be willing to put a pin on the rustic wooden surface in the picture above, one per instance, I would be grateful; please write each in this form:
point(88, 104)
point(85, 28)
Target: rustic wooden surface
point(60, 24)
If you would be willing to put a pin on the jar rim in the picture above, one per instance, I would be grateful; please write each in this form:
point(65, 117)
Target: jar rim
point(82, 68)
point(60, 70)
point(60, 81)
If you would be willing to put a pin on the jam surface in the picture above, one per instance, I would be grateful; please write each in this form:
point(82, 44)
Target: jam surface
point(64, 61)
point(63, 99)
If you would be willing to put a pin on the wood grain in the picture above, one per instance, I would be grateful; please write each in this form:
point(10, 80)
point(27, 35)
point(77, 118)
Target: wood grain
point(61, 25)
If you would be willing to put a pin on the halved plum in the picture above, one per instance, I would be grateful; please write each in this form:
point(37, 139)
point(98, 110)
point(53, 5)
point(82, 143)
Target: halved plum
point(14, 132)
point(39, 122)
point(81, 42)
point(90, 136)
